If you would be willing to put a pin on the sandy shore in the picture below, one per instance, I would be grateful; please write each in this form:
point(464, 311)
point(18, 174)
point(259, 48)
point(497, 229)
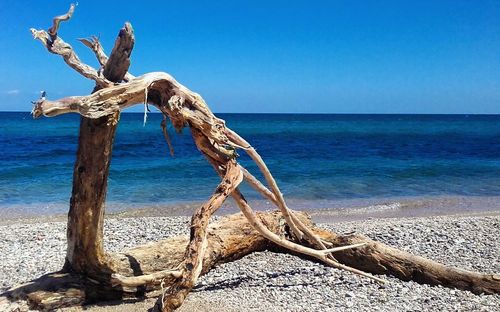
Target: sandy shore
point(267, 281)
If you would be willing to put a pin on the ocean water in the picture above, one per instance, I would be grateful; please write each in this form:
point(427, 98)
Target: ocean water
point(318, 160)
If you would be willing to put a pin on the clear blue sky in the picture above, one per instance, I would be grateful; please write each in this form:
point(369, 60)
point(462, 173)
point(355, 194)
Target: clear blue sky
point(275, 56)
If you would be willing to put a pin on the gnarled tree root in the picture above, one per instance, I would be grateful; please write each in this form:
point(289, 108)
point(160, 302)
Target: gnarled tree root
point(227, 240)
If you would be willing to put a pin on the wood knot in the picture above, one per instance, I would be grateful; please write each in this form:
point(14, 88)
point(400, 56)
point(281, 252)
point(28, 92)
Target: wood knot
point(175, 103)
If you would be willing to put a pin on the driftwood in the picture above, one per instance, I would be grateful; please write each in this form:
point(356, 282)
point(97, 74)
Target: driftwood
point(90, 274)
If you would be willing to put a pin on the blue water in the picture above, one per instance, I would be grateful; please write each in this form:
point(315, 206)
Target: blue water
point(313, 157)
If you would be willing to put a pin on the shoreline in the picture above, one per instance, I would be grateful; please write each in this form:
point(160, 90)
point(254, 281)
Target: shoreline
point(321, 211)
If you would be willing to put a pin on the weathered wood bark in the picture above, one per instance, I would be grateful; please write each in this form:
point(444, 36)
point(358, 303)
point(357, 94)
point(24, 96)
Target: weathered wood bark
point(230, 239)
point(91, 274)
point(378, 258)
point(85, 252)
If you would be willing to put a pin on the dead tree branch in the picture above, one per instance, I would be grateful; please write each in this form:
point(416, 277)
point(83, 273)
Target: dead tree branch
point(56, 45)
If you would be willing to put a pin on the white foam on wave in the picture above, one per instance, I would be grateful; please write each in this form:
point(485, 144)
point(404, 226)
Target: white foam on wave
point(373, 208)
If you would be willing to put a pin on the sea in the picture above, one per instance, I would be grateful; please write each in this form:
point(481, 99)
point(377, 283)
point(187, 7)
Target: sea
point(320, 161)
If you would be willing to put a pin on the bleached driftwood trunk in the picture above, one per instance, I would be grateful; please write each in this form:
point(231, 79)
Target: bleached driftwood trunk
point(90, 274)
point(85, 252)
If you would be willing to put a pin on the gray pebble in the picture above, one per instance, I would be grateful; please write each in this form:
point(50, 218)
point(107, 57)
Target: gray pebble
point(265, 281)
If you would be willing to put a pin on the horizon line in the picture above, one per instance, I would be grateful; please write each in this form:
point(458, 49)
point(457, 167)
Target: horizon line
point(294, 113)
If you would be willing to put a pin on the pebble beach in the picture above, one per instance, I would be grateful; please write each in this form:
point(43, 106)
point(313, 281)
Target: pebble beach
point(267, 281)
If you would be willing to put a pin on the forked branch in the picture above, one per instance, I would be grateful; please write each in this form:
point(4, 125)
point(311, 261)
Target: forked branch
point(56, 45)
point(95, 45)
